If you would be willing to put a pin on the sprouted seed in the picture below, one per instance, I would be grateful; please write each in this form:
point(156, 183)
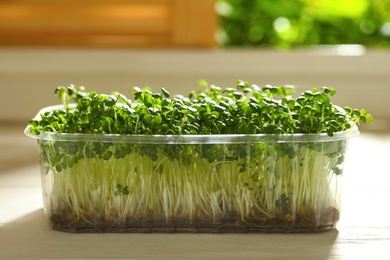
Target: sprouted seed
point(253, 184)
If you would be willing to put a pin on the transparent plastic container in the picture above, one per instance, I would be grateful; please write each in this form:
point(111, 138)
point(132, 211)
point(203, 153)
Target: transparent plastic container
point(192, 183)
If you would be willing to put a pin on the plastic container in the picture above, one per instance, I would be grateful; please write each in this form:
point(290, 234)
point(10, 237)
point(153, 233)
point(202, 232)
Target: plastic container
point(193, 183)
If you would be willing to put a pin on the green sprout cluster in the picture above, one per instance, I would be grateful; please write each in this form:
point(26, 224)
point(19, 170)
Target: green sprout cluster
point(246, 109)
point(252, 183)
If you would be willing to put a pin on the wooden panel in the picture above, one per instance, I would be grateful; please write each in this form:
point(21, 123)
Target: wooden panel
point(194, 23)
point(101, 18)
point(107, 23)
point(82, 24)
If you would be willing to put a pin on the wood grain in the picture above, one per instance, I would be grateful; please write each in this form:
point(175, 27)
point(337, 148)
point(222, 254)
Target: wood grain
point(134, 23)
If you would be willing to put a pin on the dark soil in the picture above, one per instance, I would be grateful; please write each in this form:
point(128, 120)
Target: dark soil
point(228, 223)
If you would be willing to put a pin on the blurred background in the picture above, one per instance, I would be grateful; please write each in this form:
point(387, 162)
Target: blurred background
point(113, 45)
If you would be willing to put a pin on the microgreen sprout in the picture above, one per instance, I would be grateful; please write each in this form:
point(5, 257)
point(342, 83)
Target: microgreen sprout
point(251, 183)
point(246, 109)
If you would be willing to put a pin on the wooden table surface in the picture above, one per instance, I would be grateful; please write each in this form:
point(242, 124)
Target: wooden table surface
point(362, 233)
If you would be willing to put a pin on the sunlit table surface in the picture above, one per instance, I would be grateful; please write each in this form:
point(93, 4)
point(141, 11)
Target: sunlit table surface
point(362, 233)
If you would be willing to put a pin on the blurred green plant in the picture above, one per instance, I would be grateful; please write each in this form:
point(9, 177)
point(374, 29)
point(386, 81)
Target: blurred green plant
point(289, 24)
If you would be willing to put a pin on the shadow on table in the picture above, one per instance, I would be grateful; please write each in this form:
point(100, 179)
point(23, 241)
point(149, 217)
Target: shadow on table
point(32, 237)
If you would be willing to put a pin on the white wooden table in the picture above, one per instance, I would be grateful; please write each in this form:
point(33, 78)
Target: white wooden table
point(363, 231)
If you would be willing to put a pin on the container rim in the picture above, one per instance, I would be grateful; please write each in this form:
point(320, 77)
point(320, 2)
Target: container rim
point(189, 139)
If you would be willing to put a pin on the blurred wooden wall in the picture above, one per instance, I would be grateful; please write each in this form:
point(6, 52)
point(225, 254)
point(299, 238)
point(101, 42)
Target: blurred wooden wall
point(108, 23)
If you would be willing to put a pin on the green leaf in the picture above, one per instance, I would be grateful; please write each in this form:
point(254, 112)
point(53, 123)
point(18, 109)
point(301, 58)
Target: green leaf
point(165, 93)
point(157, 120)
point(370, 118)
point(203, 83)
